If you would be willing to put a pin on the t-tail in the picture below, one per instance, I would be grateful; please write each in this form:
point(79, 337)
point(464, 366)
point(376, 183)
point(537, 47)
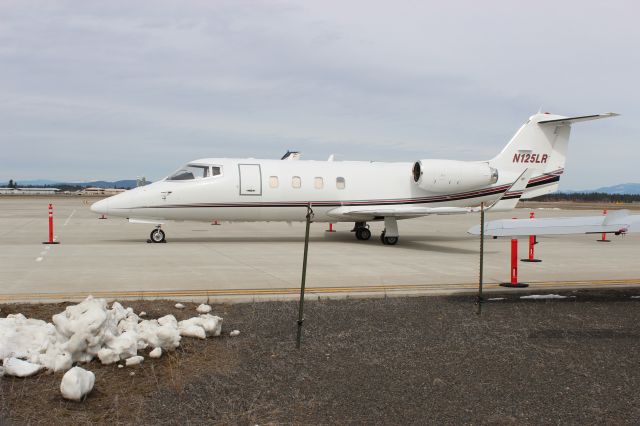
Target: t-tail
point(540, 145)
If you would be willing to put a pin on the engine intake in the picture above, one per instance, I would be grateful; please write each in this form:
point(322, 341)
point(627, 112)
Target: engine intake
point(448, 176)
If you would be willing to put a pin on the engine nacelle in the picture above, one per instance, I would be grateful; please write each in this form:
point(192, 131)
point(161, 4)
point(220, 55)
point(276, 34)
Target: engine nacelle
point(450, 176)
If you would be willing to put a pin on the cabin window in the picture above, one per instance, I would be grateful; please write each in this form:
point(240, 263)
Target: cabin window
point(216, 170)
point(189, 172)
point(273, 181)
point(296, 182)
point(340, 184)
point(318, 183)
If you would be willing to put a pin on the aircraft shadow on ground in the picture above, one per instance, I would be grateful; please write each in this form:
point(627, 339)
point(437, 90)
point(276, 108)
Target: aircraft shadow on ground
point(419, 242)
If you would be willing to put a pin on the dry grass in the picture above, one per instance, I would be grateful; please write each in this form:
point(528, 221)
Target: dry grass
point(382, 361)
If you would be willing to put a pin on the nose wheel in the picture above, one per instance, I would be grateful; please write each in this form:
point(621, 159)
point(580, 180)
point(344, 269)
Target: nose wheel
point(157, 236)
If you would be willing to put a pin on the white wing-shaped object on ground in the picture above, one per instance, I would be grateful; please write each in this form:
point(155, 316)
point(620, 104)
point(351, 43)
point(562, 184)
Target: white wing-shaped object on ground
point(619, 222)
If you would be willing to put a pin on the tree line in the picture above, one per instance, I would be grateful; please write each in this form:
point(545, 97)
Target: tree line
point(589, 197)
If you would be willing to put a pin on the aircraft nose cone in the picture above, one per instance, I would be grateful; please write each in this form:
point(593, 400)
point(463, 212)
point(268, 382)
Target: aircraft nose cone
point(101, 206)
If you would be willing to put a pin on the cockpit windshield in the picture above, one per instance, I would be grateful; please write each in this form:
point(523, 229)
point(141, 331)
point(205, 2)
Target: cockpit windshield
point(190, 171)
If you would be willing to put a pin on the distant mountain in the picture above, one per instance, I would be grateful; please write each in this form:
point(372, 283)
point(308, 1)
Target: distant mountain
point(623, 188)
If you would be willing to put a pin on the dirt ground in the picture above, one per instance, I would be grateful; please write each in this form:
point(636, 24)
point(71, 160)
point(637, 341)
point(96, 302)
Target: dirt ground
point(420, 360)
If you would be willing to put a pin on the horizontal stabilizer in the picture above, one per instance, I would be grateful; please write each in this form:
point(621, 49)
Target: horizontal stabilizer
point(616, 222)
point(569, 120)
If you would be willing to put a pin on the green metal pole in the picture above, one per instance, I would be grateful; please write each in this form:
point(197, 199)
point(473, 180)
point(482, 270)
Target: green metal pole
point(304, 276)
point(479, 301)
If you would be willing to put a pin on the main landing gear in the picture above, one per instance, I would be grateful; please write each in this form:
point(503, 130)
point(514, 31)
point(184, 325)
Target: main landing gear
point(389, 236)
point(388, 241)
point(157, 236)
point(362, 231)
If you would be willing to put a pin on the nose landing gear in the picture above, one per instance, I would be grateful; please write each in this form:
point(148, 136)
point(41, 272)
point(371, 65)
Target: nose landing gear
point(157, 236)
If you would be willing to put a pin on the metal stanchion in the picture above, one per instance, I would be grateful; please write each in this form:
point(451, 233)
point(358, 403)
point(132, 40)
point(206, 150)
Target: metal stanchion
point(304, 276)
point(479, 299)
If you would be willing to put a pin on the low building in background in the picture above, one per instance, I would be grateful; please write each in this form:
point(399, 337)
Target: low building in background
point(29, 191)
point(102, 191)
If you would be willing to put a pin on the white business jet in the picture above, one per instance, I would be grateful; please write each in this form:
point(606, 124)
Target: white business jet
point(249, 189)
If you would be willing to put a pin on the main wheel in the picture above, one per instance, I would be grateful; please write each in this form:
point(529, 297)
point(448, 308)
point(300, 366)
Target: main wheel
point(388, 241)
point(363, 234)
point(157, 236)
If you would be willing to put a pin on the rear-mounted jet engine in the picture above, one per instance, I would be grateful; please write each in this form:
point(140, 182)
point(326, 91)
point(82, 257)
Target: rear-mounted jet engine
point(450, 176)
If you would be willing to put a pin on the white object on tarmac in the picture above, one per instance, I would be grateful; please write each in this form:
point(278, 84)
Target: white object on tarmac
point(134, 360)
point(543, 296)
point(179, 306)
point(156, 353)
point(19, 368)
point(203, 309)
point(617, 222)
point(76, 383)
point(234, 333)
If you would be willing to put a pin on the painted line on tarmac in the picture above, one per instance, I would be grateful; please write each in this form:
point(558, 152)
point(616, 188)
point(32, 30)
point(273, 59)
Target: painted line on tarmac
point(374, 289)
point(69, 218)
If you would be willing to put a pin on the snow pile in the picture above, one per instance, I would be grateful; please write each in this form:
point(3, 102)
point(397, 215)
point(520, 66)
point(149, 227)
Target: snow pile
point(76, 383)
point(19, 368)
point(179, 306)
point(203, 309)
point(134, 360)
point(543, 296)
point(156, 353)
point(234, 333)
point(201, 327)
point(89, 330)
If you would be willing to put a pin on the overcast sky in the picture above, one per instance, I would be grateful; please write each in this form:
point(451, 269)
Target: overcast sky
point(119, 89)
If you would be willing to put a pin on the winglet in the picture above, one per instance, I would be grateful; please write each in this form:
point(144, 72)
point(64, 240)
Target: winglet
point(512, 195)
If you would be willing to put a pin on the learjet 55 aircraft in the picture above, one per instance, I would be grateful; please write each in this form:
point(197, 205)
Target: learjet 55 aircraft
point(249, 189)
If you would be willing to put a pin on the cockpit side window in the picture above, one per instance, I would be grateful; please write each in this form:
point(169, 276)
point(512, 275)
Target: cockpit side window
point(216, 170)
point(190, 171)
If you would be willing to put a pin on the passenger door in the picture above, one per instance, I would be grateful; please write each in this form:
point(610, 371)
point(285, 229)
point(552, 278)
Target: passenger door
point(250, 179)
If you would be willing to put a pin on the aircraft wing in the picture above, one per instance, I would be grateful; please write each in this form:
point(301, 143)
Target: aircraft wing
point(619, 221)
point(394, 211)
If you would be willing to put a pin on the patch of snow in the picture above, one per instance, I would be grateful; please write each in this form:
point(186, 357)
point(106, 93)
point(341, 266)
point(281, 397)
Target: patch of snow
point(203, 309)
point(120, 366)
point(132, 373)
point(234, 333)
point(19, 368)
point(179, 306)
point(201, 326)
point(142, 314)
point(76, 383)
point(90, 329)
point(635, 297)
point(156, 353)
point(543, 296)
point(134, 360)
point(496, 298)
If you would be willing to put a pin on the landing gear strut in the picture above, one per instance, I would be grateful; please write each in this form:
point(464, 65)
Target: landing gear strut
point(362, 231)
point(390, 236)
point(157, 236)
